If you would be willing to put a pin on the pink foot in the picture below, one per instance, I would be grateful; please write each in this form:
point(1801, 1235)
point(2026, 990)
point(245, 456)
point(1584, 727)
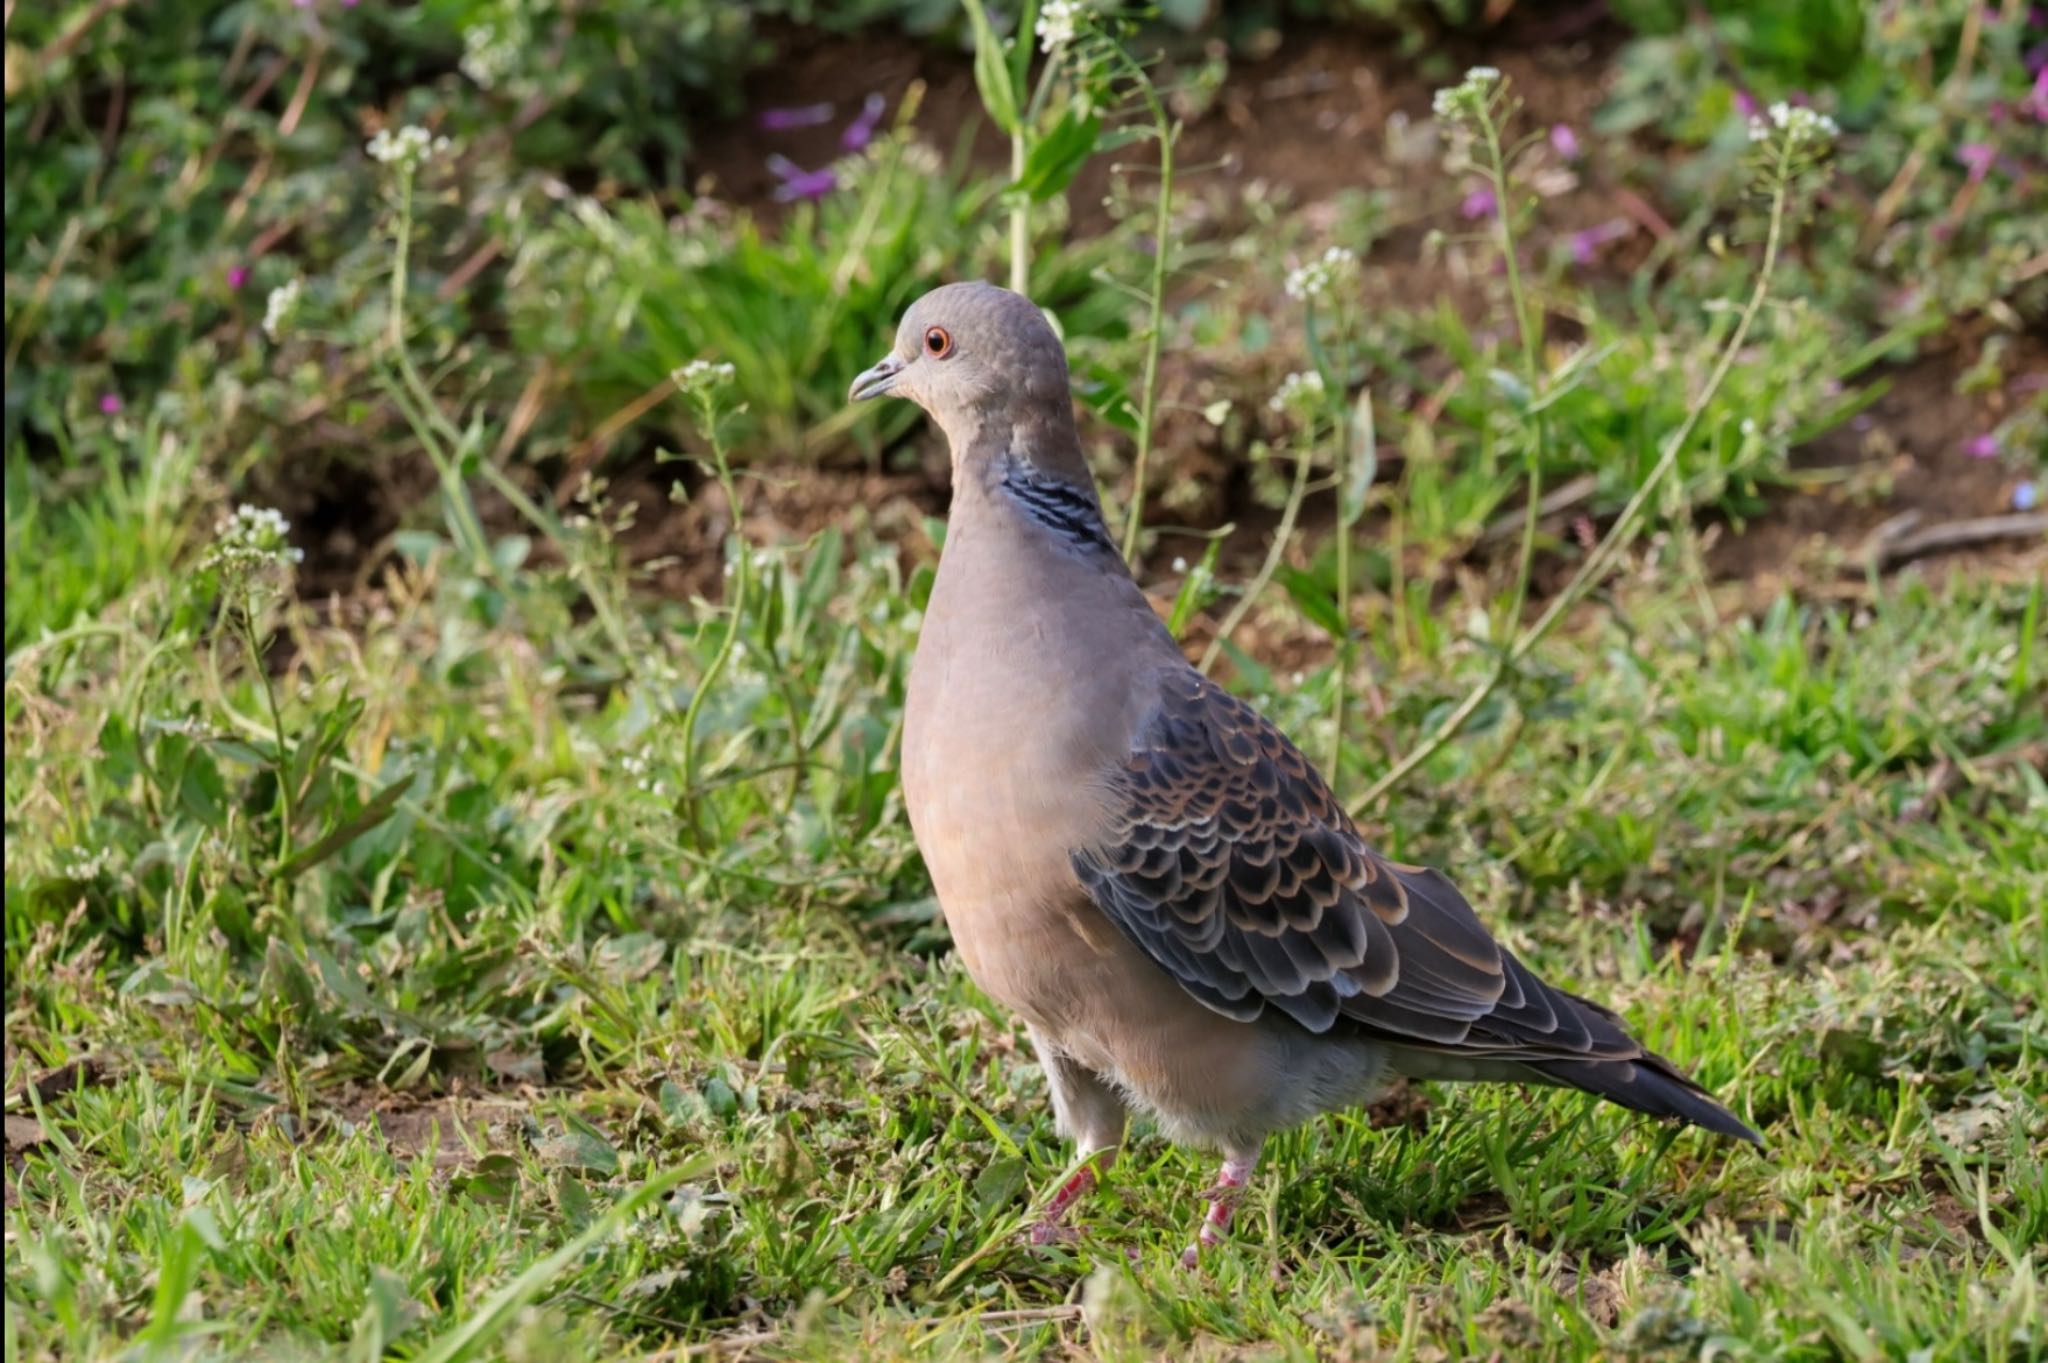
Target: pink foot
point(1051, 1229)
point(1223, 1199)
point(1051, 1233)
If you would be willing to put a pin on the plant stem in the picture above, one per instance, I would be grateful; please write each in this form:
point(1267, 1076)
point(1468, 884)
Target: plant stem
point(1281, 535)
point(1529, 328)
point(742, 569)
point(468, 528)
point(1155, 324)
point(1623, 531)
point(278, 737)
point(1020, 221)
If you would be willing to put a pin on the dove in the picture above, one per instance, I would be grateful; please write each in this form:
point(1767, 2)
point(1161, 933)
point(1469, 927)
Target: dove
point(1148, 873)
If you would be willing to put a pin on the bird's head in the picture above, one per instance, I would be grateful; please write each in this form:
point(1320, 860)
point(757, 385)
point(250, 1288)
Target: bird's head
point(971, 354)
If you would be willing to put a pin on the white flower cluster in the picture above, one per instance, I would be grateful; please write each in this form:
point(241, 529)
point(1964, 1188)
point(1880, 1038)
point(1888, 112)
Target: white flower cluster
point(1804, 127)
point(76, 863)
point(1468, 97)
point(491, 53)
point(280, 307)
point(410, 146)
point(1298, 392)
point(1058, 22)
point(636, 764)
point(252, 538)
point(1311, 281)
point(701, 376)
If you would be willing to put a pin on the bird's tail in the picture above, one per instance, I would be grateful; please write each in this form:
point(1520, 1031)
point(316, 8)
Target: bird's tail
point(1649, 1083)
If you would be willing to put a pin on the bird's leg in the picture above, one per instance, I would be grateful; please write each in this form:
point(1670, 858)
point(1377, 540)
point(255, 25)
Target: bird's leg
point(1052, 1227)
point(1092, 1116)
point(1223, 1199)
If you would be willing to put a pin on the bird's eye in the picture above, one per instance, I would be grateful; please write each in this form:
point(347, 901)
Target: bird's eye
point(938, 342)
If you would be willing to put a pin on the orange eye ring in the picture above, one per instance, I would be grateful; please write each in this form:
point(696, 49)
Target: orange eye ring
point(938, 342)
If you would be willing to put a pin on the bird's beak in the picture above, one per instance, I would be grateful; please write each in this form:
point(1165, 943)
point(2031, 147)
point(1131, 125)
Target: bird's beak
point(876, 381)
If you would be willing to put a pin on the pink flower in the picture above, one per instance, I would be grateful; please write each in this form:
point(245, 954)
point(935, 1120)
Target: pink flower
point(1586, 245)
point(2035, 105)
point(1746, 105)
point(802, 116)
point(1978, 156)
point(1981, 446)
point(110, 403)
point(861, 131)
point(1564, 141)
point(1480, 203)
point(798, 183)
point(238, 275)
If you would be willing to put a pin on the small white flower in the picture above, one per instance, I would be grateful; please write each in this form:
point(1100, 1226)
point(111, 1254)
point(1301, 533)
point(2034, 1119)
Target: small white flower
point(1311, 281)
point(1802, 126)
point(252, 538)
point(491, 53)
point(1466, 99)
point(1180, 565)
point(410, 146)
point(280, 307)
point(1299, 391)
point(1058, 22)
point(701, 376)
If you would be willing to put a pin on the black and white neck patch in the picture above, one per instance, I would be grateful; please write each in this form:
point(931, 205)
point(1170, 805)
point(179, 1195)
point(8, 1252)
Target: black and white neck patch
point(1070, 512)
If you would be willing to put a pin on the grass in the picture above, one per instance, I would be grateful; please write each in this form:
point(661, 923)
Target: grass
point(529, 973)
point(503, 959)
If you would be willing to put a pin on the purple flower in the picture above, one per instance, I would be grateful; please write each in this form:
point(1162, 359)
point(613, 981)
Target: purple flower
point(1981, 446)
point(1586, 245)
point(1746, 105)
point(1564, 141)
point(798, 183)
point(1978, 156)
point(2036, 102)
point(1480, 203)
point(238, 275)
point(2026, 496)
point(110, 403)
point(802, 116)
point(861, 131)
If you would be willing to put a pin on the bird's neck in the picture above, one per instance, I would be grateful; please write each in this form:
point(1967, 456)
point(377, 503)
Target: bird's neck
point(1032, 473)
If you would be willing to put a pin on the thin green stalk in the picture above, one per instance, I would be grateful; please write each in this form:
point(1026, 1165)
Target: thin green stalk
point(1532, 340)
point(1623, 531)
point(278, 737)
point(741, 575)
point(1281, 535)
point(1020, 220)
point(1155, 324)
point(468, 528)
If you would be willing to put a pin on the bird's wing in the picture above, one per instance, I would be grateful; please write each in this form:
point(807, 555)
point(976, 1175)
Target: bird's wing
point(1234, 868)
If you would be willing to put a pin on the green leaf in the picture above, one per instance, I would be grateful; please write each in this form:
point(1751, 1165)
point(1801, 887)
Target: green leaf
point(581, 1147)
point(494, 1179)
point(381, 806)
point(997, 1185)
point(991, 72)
point(1361, 463)
point(1058, 156)
point(201, 792)
point(1313, 599)
point(286, 981)
point(1194, 587)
